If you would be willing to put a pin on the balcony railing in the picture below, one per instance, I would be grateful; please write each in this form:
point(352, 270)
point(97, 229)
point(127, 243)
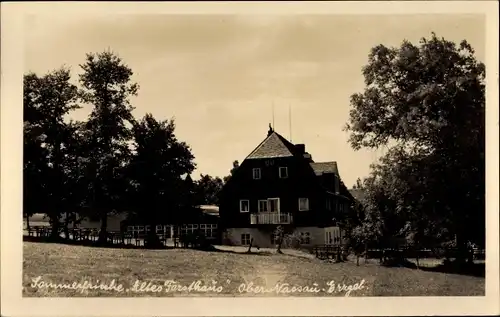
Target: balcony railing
point(270, 218)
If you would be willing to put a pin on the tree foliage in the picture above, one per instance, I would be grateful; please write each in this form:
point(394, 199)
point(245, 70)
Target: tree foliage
point(111, 162)
point(208, 190)
point(107, 87)
point(156, 169)
point(233, 170)
point(47, 142)
point(425, 103)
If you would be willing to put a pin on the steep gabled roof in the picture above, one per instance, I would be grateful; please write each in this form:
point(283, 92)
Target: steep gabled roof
point(273, 146)
point(325, 167)
point(358, 194)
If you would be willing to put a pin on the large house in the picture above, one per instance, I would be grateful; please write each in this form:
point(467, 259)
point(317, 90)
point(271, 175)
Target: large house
point(278, 183)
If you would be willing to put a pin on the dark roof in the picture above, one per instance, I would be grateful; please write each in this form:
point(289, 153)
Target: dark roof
point(273, 146)
point(210, 210)
point(325, 167)
point(358, 194)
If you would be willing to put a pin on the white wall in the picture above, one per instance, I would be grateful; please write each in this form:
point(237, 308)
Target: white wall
point(263, 239)
point(260, 238)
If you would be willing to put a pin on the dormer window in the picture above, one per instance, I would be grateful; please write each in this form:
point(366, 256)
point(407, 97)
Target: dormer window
point(283, 171)
point(256, 173)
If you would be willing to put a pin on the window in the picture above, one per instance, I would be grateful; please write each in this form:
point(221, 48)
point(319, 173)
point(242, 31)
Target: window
point(303, 204)
point(328, 203)
point(209, 230)
point(256, 173)
point(245, 239)
point(244, 206)
point(189, 229)
point(263, 205)
point(159, 229)
point(273, 204)
point(168, 231)
point(283, 172)
point(305, 238)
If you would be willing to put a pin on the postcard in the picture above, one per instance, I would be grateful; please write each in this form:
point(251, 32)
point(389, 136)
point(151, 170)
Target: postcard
point(250, 158)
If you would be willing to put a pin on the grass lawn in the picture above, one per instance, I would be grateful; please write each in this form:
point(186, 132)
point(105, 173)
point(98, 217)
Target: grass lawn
point(64, 264)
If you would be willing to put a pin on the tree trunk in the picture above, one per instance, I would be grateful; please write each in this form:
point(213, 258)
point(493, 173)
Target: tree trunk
point(66, 225)
point(382, 255)
point(418, 264)
point(54, 233)
point(461, 254)
point(366, 252)
point(28, 222)
point(250, 246)
point(175, 235)
point(56, 212)
point(152, 240)
point(103, 233)
point(280, 242)
point(339, 256)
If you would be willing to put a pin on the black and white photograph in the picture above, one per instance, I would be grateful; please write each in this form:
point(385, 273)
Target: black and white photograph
point(257, 153)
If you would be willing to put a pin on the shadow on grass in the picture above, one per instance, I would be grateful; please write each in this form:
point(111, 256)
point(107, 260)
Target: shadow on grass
point(263, 253)
point(474, 269)
point(451, 267)
point(89, 243)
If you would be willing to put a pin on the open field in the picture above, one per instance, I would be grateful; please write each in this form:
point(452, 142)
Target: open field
point(64, 264)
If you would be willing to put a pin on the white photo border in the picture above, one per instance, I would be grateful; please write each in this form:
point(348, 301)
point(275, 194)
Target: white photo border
point(13, 304)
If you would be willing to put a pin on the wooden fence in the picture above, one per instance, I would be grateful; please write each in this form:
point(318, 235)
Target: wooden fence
point(337, 251)
point(178, 238)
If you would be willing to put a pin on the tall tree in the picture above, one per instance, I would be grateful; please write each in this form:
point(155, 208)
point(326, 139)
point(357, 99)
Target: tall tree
point(427, 103)
point(75, 188)
point(159, 162)
point(358, 185)
point(47, 100)
point(233, 170)
point(107, 86)
point(208, 189)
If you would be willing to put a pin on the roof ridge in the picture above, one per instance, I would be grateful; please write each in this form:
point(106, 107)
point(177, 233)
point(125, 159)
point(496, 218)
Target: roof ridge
point(259, 146)
point(326, 162)
point(319, 170)
point(285, 145)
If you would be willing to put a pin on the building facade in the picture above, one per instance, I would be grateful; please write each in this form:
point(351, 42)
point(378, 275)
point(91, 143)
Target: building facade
point(279, 184)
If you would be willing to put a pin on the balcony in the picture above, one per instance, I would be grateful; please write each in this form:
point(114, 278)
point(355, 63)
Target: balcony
point(270, 218)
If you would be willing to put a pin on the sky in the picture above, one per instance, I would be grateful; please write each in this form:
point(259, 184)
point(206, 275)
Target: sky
point(219, 76)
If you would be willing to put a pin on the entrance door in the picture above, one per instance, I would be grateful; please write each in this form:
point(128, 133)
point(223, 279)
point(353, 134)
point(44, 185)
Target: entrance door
point(273, 205)
point(274, 209)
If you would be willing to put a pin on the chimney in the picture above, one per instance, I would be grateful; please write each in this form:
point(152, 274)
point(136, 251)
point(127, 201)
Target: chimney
point(336, 184)
point(308, 157)
point(301, 148)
